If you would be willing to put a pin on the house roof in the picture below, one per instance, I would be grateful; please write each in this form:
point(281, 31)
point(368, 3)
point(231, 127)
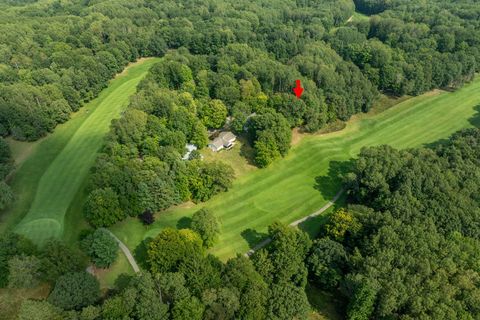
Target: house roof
point(227, 136)
point(217, 143)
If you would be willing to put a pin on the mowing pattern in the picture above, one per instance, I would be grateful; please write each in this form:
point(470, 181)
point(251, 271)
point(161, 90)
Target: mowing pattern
point(308, 177)
point(64, 176)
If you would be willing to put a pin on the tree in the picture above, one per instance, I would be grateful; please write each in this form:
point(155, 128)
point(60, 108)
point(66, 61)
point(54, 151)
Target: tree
point(212, 113)
point(170, 247)
point(147, 217)
point(201, 272)
point(172, 286)
point(188, 309)
point(149, 304)
point(341, 223)
point(221, 303)
point(271, 135)
point(24, 272)
point(12, 244)
point(327, 262)
point(287, 301)
point(102, 208)
point(287, 252)
point(208, 178)
point(266, 149)
point(206, 225)
point(58, 259)
point(362, 305)
point(240, 273)
point(6, 195)
point(101, 247)
point(75, 291)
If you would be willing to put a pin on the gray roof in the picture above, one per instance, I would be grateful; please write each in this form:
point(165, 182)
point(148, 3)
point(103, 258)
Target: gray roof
point(217, 143)
point(227, 136)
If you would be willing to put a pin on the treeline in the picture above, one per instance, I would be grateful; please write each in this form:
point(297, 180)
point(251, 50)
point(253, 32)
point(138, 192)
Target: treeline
point(408, 245)
point(413, 46)
point(55, 56)
point(6, 166)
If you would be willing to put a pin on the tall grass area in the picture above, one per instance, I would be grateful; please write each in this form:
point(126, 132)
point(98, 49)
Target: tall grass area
point(308, 177)
point(49, 180)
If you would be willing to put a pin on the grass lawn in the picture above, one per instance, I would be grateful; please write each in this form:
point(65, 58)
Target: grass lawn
point(357, 16)
point(239, 157)
point(307, 178)
point(50, 179)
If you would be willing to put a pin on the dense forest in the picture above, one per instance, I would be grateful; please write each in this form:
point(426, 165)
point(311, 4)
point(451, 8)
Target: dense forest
point(57, 55)
point(406, 246)
point(245, 57)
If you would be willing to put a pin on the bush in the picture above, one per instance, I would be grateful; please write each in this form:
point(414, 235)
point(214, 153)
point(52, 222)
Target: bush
point(147, 218)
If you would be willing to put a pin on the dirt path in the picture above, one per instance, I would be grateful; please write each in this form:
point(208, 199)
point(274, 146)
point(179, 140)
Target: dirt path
point(126, 252)
point(297, 222)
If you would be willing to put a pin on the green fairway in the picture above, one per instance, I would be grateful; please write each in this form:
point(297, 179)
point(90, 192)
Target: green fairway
point(49, 180)
point(307, 178)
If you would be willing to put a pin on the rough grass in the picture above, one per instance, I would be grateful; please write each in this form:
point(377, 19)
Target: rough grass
point(12, 299)
point(308, 177)
point(50, 179)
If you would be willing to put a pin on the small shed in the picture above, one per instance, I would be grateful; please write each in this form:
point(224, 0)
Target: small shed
point(190, 148)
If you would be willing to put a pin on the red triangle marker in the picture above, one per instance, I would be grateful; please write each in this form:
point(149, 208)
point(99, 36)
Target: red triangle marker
point(298, 89)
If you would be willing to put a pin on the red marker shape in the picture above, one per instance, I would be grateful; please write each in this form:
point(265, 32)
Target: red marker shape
point(298, 89)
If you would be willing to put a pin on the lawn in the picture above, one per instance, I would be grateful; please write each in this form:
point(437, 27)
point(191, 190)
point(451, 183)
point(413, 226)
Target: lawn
point(308, 177)
point(50, 179)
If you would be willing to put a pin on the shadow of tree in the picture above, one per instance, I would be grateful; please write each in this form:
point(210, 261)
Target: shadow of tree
point(253, 237)
point(140, 253)
point(330, 184)
point(184, 223)
point(122, 282)
point(247, 151)
point(475, 120)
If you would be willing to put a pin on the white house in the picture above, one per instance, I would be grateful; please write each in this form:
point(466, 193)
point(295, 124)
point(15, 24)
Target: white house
point(225, 140)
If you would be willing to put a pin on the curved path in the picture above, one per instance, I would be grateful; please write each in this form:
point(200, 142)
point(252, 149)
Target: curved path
point(126, 252)
point(297, 222)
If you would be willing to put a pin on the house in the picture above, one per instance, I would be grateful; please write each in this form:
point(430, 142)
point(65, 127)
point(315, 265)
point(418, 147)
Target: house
point(225, 140)
point(228, 139)
point(190, 148)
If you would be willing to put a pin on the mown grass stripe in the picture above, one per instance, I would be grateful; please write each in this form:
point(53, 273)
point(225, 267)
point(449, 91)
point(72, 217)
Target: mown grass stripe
point(288, 189)
point(65, 174)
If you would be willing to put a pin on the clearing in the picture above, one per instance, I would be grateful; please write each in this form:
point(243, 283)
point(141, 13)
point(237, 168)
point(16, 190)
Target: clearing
point(48, 181)
point(307, 178)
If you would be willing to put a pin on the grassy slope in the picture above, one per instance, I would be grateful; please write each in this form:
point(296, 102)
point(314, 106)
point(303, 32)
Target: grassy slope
point(51, 177)
point(307, 178)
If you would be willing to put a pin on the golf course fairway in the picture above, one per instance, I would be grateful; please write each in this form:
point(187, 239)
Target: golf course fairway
point(56, 177)
point(308, 178)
